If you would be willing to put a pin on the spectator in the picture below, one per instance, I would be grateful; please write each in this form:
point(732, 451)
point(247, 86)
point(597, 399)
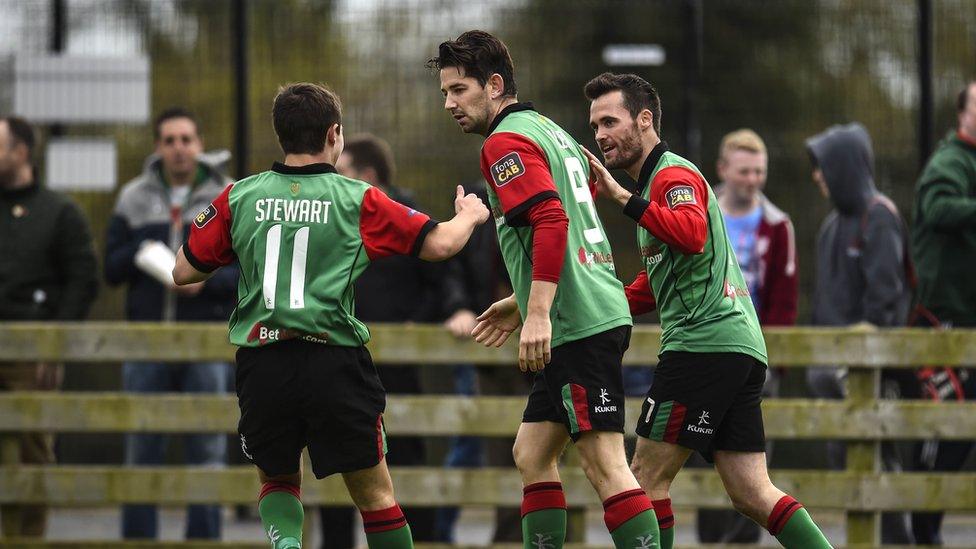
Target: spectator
point(762, 237)
point(861, 274)
point(47, 272)
point(151, 220)
point(944, 245)
point(392, 289)
point(477, 278)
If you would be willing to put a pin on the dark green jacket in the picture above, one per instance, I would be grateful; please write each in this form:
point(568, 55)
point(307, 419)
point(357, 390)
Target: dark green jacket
point(944, 235)
point(47, 264)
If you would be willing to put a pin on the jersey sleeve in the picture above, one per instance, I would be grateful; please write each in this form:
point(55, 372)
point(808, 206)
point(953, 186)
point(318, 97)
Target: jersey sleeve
point(209, 245)
point(518, 171)
point(390, 228)
point(677, 213)
point(640, 298)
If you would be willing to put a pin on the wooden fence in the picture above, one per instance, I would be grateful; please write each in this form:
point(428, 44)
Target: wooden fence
point(862, 419)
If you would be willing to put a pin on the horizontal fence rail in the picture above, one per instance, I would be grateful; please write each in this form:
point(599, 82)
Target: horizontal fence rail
point(476, 416)
point(431, 344)
point(435, 486)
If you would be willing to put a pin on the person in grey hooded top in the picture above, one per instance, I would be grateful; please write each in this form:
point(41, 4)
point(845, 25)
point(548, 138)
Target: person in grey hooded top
point(861, 273)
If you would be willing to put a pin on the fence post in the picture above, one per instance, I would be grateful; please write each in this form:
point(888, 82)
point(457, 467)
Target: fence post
point(863, 387)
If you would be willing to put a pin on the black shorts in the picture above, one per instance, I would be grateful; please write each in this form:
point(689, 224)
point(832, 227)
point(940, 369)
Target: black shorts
point(582, 387)
point(296, 393)
point(706, 402)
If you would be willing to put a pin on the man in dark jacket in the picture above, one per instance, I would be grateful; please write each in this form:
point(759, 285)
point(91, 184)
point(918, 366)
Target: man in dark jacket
point(392, 289)
point(153, 214)
point(861, 274)
point(944, 245)
point(47, 272)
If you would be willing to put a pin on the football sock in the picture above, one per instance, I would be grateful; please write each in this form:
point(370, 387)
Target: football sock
point(387, 529)
point(543, 515)
point(665, 521)
point(280, 507)
point(792, 526)
point(631, 521)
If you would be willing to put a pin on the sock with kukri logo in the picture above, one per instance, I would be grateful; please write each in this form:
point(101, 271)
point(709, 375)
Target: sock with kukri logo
point(280, 507)
point(631, 521)
point(543, 516)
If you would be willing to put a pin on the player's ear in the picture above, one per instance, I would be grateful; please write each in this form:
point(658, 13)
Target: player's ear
point(496, 86)
point(645, 120)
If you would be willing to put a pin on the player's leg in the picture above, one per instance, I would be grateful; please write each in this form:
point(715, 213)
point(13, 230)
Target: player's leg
point(280, 508)
point(372, 491)
point(628, 512)
point(747, 482)
point(655, 464)
point(740, 459)
point(273, 434)
point(537, 448)
point(346, 435)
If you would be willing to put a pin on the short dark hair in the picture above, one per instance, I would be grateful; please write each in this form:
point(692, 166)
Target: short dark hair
point(302, 115)
point(638, 94)
point(369, 151)
point(481, 55)
point(963, 96)
point(170, 114)
point(21, 132)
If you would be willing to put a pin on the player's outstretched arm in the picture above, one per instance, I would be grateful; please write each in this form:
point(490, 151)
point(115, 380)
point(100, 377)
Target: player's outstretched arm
point(184, 273)
point(447, 239)
point(497, 322)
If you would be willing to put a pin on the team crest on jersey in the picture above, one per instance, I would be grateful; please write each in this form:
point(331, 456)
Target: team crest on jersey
point(205, 216)
point(681, 194)
point(507, 168)
point(295, 187)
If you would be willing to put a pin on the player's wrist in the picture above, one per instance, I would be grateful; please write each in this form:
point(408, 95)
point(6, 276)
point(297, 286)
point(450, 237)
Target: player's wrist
point(621, 195)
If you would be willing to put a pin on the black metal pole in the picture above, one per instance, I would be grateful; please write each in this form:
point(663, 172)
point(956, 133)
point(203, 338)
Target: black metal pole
point(241, 82)
point(692, 67)
point(926, 107)
point(59, 31)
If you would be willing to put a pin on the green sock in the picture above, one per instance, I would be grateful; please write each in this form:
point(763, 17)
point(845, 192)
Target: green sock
point(545, 528)
point(387, 529)
point(667, 538)
point(282, 515)
point(640, 532)
point(543, 516)
point(793, 527)
point(665, 521)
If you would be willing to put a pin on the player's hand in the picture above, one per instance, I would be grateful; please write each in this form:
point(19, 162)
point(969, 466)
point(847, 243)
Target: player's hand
point(605, 183)
point(534, 350)
point(461, 323)
point(470, 205)
point(497, 323)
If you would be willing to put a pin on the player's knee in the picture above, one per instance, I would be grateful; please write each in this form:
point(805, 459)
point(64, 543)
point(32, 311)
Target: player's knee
point(529, 460)
point(649, 474)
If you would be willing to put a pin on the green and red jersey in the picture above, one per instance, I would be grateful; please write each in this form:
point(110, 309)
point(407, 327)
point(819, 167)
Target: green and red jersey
point(691, 274)
point(547, 224)
point(302, 235)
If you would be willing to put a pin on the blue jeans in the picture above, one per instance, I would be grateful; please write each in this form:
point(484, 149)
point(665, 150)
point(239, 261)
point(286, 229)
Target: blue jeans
point(203, 521)
point(463, 452)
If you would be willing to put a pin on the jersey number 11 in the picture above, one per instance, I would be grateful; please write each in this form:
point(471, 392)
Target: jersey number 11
point(272, 248)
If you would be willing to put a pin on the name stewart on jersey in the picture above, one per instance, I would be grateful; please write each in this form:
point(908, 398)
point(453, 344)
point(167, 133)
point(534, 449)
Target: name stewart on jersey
point(528, 159)
point(302, 236)
point(289, 210)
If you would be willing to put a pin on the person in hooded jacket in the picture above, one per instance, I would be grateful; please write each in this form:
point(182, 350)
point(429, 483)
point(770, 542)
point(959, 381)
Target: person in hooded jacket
point(156, 208)
point(862, 273)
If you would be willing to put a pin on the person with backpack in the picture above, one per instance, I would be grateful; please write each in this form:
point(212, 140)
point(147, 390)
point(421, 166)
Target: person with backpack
point(863, 274)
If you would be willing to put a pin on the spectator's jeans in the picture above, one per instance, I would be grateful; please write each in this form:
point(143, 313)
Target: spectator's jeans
point(26, 448)
point(203, 521)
